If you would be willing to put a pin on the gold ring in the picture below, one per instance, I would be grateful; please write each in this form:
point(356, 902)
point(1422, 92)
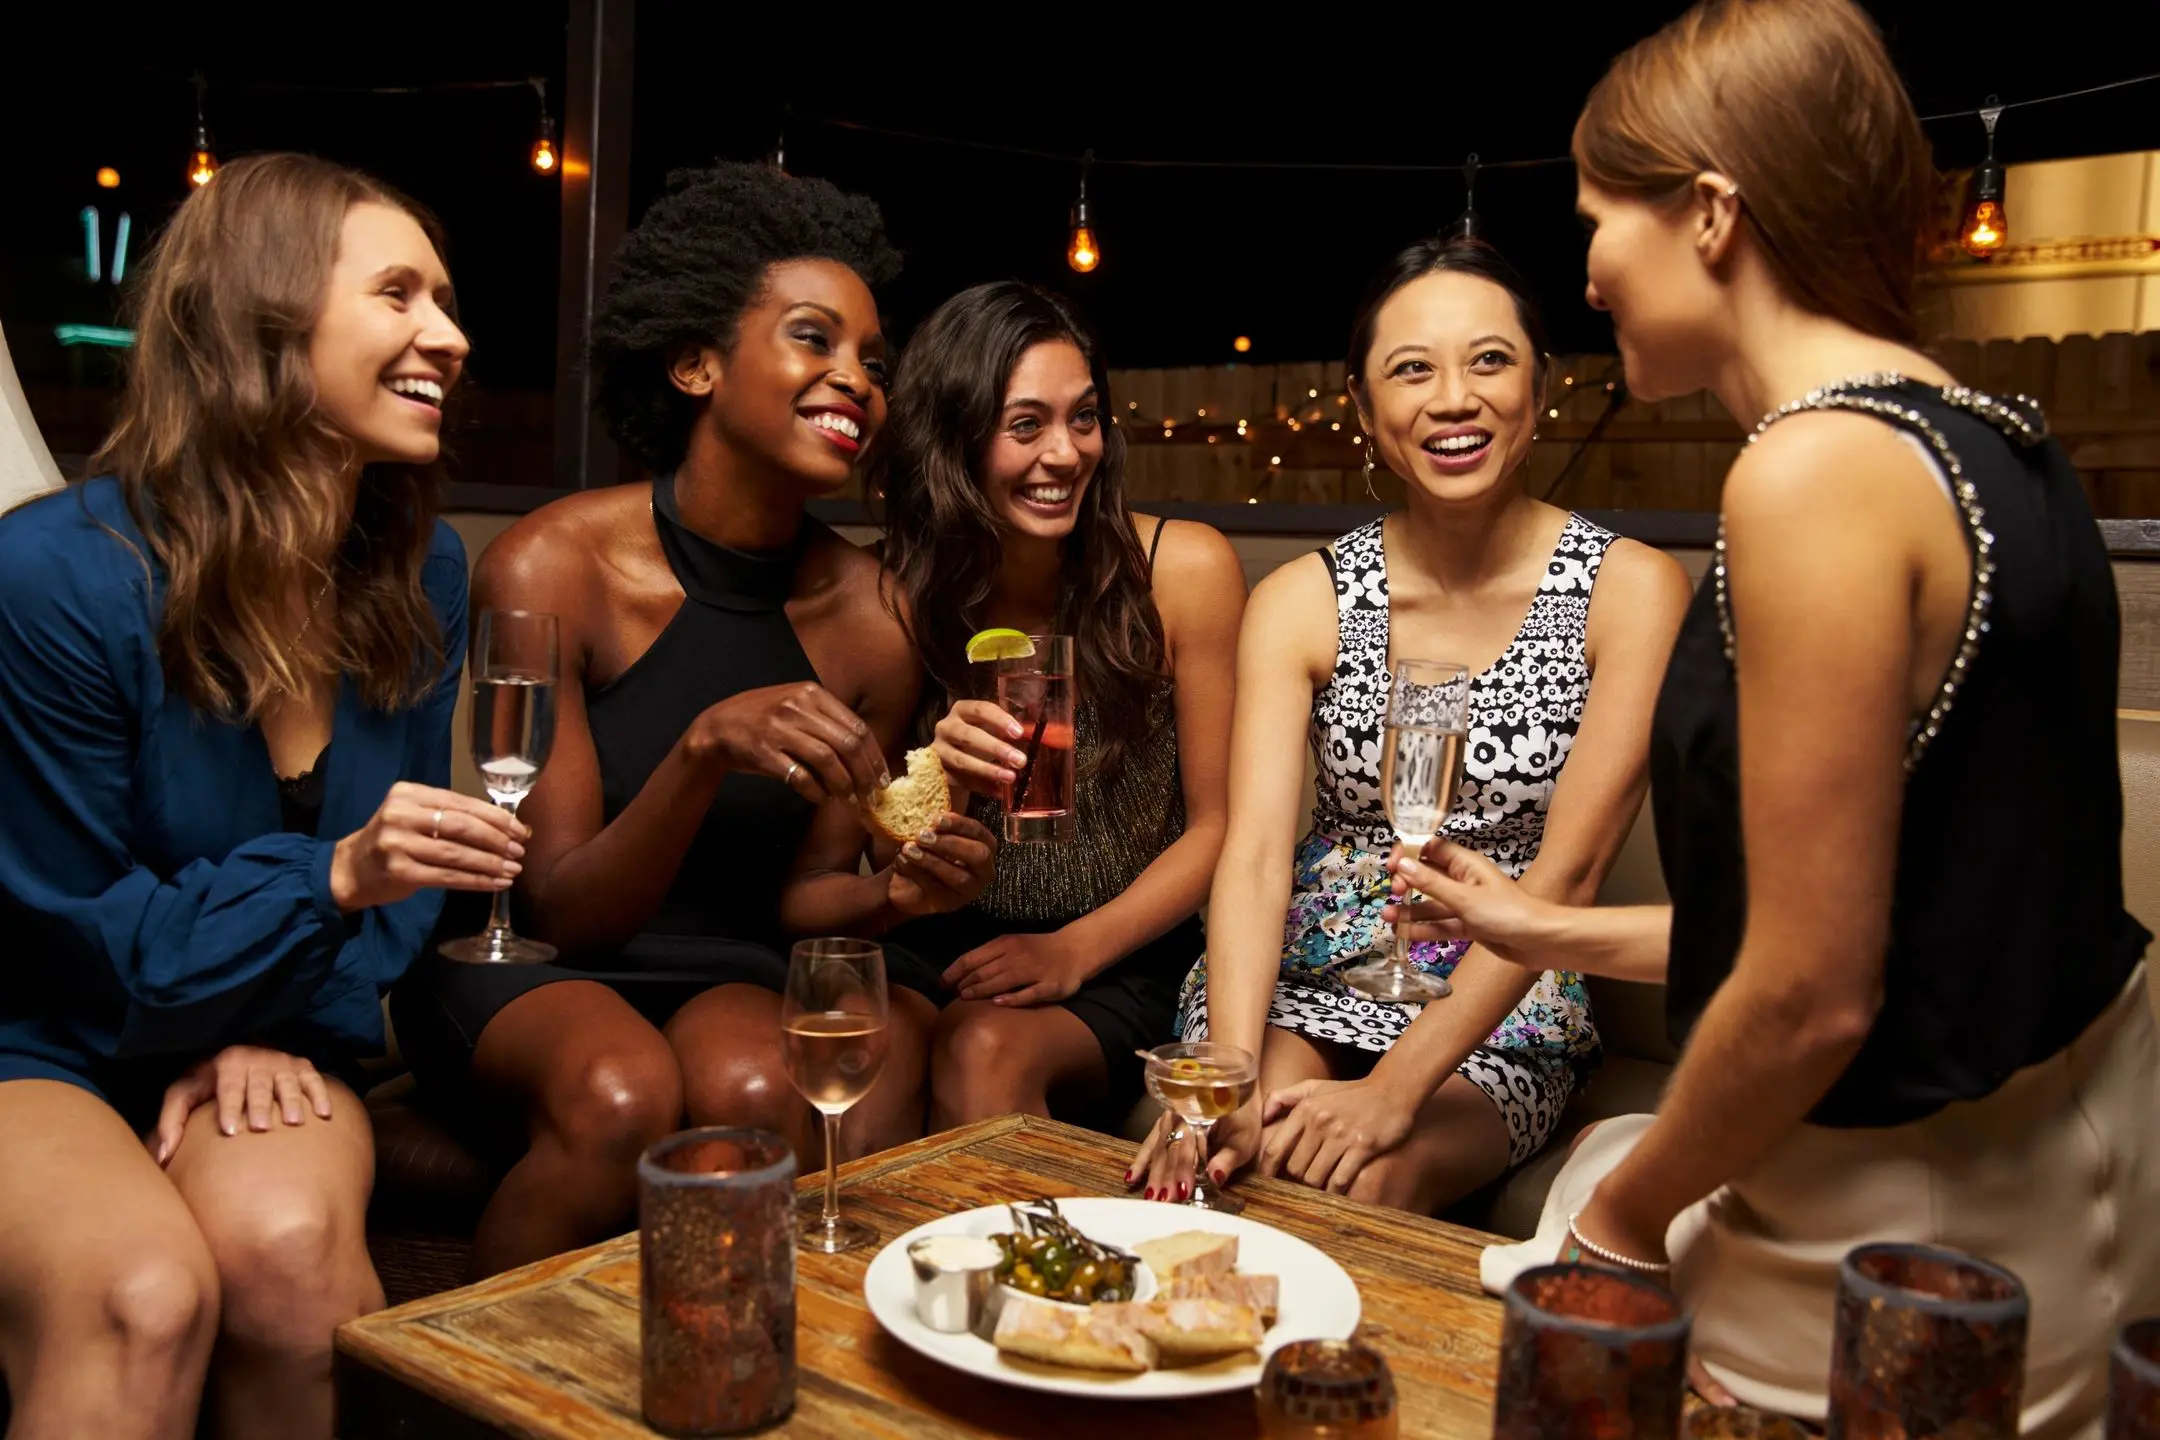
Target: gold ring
point(436, 832)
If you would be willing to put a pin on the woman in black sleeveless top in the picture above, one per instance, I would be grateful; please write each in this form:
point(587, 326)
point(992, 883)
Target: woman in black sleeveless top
point(737, 683)
point(1884, 761)
point(1006, 508)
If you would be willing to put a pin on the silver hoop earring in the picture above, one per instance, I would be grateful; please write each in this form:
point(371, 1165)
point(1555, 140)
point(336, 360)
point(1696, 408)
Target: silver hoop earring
point(1368, 473)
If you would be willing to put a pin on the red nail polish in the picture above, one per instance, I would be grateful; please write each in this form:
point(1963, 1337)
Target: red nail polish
point(1183, 1190)
point(1150, 1193)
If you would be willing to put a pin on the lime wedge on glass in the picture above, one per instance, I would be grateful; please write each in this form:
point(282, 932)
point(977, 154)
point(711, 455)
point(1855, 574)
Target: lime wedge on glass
point(999, 645)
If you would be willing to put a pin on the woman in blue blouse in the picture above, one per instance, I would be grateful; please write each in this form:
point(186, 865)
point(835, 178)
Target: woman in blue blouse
point(226, 677)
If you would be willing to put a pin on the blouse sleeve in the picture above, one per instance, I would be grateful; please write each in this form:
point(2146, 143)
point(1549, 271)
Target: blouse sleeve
point(391, 936)
point(212, 949)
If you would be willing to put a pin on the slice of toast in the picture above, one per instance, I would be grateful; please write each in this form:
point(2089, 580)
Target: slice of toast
point(911, 804)
point(1258, 1293)
point(1187, 1253)
point(1194, 1329)
point(1103, 1337)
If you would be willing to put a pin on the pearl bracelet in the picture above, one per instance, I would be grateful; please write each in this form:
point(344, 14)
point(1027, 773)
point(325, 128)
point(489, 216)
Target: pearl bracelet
point(1613, 1257)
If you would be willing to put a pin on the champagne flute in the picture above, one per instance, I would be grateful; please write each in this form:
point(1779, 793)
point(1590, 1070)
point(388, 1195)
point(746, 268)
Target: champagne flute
point(1200, 1081)
point(833, 1039)
point(1421, 758)
point(516, 665)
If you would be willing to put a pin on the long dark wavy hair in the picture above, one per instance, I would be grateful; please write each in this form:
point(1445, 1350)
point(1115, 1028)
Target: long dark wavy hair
point(942, 541)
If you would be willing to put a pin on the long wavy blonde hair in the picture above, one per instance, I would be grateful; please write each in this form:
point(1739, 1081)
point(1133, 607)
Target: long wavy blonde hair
point(234, 476)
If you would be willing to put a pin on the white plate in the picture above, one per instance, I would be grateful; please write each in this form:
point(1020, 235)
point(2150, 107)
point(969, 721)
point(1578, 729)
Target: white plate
point(1319, 1301)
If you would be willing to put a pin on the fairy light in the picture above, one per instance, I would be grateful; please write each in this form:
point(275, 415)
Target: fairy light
point(1242, 344)
point(1987, 226)
point(544, 158)
point(1082, 253)
point(1334, 425)
point(1552, 414)
point(203, 165)
point(1274, 460)
point(108, 178)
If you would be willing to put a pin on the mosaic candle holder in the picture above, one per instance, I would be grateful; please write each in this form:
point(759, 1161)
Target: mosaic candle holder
point(2134, 1382)
point(1327, 1390)
point(1589, 1354)
point(716, 1254)
point(1928, 1341)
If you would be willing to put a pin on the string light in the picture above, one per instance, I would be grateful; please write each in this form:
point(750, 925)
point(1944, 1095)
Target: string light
point(203, 165)
point(778, 158)
point(1083, 254)
point(544, 158)
point(108, 178)
point(1242, 344)
point(1986, 225)
point(1466, 225)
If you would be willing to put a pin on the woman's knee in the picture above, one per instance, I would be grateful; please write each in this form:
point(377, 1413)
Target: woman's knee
point(160, 1306)
point(980, 1058)
point(291, 1270)
point(1388, 1181)
point(613, 1103)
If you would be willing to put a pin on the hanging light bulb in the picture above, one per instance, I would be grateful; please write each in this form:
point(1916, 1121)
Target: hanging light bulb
point(1083, 254)
point(108, 178)
point(1467, 224)
point(203, 165)
point(778, 158)
point(1242, 344)
point(545, 159)
point(1986, 225)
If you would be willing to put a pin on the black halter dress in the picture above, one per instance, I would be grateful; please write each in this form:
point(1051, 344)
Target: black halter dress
point(719, 923)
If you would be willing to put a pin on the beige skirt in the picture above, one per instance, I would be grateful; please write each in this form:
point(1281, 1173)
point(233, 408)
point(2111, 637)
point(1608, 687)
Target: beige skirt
point(2055, 1176)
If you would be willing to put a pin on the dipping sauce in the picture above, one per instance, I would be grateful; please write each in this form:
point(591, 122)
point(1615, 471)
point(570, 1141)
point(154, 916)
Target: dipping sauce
point(956, 1252)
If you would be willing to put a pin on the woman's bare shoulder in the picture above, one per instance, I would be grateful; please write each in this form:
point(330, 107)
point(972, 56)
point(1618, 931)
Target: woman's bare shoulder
point(560, 548)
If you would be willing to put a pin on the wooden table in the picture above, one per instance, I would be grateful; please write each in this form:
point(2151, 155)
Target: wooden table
point(551, 1351)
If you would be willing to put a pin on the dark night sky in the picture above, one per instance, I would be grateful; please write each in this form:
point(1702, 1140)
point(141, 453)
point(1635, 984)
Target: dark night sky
point(1191, 258)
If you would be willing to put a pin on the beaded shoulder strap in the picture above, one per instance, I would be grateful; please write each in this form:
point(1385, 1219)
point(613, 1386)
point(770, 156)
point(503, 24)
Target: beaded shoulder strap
point(2021, 422)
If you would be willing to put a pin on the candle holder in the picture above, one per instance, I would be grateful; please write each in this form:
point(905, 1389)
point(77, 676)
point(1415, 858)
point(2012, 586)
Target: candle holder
point(1589, 1353)
point(1927, 1341)
point(1327, 1390)
point(716, 1256)
point(2134, 1382)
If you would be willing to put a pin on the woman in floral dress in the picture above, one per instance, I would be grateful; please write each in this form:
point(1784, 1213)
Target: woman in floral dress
point(1405, 1105)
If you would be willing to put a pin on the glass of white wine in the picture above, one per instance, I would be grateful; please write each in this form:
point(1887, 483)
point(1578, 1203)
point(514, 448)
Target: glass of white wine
point(516, 664)
point(833, 1039)
point(1421, 759)
point(1200, 1081)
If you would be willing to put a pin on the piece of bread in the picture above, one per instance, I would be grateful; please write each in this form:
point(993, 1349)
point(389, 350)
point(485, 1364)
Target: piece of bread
point(1259, 1293)
point(1193, 1329)
point(1189, 1252)
point(911, 804)
point(1102, 1337)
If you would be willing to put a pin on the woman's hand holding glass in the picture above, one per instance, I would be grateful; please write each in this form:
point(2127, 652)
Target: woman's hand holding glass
point(1467, 897)
point(421, 837)
point(979, 746)
point(1170, 1156)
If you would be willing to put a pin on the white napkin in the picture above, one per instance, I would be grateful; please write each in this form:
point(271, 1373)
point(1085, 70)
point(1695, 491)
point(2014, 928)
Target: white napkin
point(1594, 1159)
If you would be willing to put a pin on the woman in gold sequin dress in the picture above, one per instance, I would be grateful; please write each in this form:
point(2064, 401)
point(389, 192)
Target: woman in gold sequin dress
point(1004, 489)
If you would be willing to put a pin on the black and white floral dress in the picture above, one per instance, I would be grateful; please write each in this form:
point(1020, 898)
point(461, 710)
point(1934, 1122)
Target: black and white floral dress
point(1524, 711)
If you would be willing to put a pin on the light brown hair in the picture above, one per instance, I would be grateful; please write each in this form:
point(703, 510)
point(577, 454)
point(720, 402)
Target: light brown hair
point(232, 475)
point(1796, 102)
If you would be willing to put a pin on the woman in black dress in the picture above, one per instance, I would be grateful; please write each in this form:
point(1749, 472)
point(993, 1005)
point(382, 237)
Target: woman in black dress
point(1884, 760)
point(1006, 508)
point(737, 684)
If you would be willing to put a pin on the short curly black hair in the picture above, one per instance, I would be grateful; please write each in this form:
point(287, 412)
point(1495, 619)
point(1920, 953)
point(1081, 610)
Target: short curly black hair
point(694, 263)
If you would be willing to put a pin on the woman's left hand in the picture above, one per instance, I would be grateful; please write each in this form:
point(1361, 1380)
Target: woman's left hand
point(1323, 1132)
point(1020, 970)
point(250, 1079)
point(944, 869)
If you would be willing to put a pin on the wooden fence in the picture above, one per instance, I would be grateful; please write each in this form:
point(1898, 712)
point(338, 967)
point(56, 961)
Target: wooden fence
point(1287, 433)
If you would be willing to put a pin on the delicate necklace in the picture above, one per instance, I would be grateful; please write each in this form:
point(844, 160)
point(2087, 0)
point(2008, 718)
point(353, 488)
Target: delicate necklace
point(304, 624)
